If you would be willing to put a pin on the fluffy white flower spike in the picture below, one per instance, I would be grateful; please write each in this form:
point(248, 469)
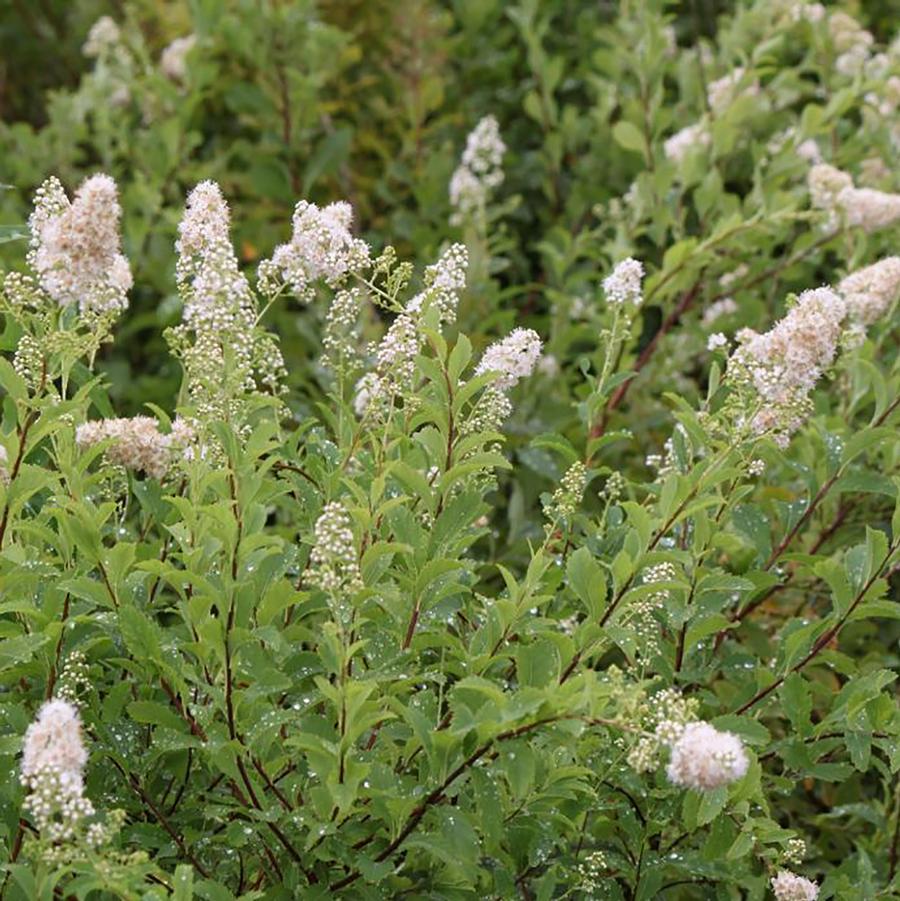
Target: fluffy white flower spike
point(704, 758)
point(869, 292)
point(173, 60)
point(54, 740)
point(53, 761)
point(479, 171)
point(76, 248)
point(512, 358)
point(623, 284)
point(783, 365)
point(321, 247)
point(833, 190)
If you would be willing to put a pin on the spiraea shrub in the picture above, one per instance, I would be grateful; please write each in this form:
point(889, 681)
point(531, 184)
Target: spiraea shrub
point(551, 555)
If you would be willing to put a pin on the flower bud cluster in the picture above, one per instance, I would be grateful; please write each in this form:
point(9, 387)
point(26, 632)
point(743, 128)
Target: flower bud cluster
point(689, 138)
point(445, 281)
point(395, 355)
point(851, 41)
point(334, 564)
point(567, 497)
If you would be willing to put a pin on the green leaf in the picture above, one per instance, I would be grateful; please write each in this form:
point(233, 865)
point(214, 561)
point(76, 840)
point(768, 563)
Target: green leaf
point(629, 136)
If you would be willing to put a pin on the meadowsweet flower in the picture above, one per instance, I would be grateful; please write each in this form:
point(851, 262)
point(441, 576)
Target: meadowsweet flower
point(566, 498)
point(512, 358)
point(667, 714)
point(173, 60)
point(53, 761)
point(322, 247)
point(833, 190)
point(75, 246)
point(490, 412)
point(869, 292)
point(395, 356)
point(808, 150)
point(334, 563)
point(340, 337)
point(783, 365)
point(725, 90)
point(846, 33)
point(788, 886)
point(873, 171)
point(137, 443)
point(369, 390)
point(54, 740)
point(795, 850)
point(704, 758)
point(480, 170)
point(724, 307)
point(692, 137)
point(103, 36)
point(716, 341)
point(445, 280)
point(802, 11)
point(623, 284)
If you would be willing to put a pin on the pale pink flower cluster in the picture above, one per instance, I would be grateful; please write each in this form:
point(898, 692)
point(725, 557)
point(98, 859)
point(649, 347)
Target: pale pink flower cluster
point(623, 284)
point(691, 137)
point(851, 42)
point(52, 769)
point(783, 365)
point(76, 247)
point(322, 247)
point(869, 292)
point(788, 886)
point(480, 170)
point(173, 60)
point(512, 358)
point(833, 190)
point(137, 443)
point(703, 758)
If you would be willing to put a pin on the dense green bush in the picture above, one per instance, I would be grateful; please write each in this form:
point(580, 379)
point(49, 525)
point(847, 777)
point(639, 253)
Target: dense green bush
point(527, 526)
